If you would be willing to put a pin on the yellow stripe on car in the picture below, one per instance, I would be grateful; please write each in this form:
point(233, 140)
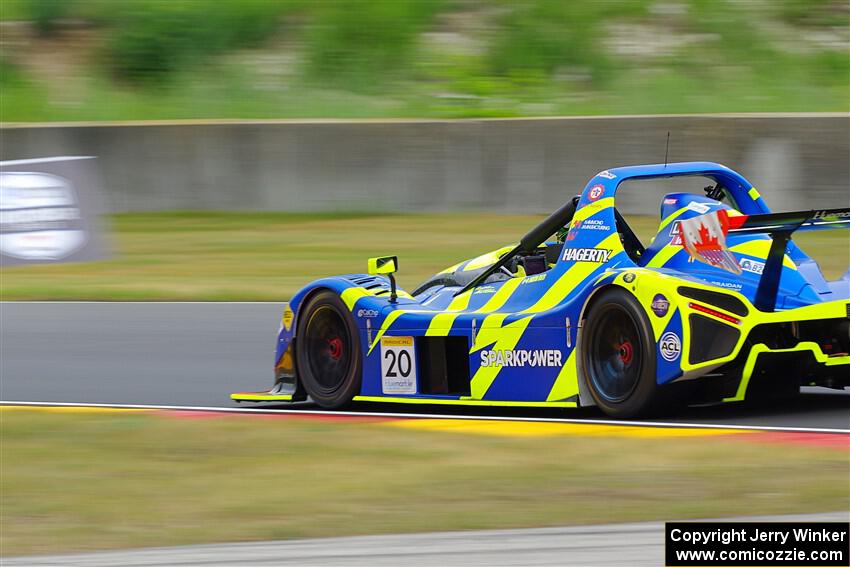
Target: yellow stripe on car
point(260, 397)
point(501, 296)
point(566, 384)
point(393, 315)
point(592, 208)
point(487, 259)
point(575, 274)
point(663, 256)
point(464, 401)
point(451, 269)
point(760, 348)
point(670, 218)
point(501, 338)
point(442, 323)
point(350, 296)
point(760, 249)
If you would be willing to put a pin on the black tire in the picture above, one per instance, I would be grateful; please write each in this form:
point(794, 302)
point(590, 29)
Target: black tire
point(327, 351)
point(617, 356)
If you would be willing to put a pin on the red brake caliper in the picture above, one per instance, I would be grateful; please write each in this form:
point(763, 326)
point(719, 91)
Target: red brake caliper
point(335, 346)
point(626, 352)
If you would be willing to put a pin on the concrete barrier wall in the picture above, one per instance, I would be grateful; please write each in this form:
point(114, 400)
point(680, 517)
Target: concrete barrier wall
point(796, 161)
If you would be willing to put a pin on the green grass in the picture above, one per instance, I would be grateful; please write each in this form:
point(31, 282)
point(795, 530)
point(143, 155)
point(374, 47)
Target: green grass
point(269, 256)
point(76, 482)
point(150, 59)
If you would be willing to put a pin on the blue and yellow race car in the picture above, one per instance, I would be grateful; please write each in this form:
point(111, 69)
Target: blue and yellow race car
point(719, 307)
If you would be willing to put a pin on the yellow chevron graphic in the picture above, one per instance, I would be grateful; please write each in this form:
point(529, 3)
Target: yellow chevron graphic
point(487, 259)
point(500, 297)
point(670, 218)
point(502, 338)
point(451, 269)
point(442, 323)
point(760, 249)
point(574, 275)
point(663, 256)
point(566, 384)
point(593, 208)
point(352, 294)
point(393, 315)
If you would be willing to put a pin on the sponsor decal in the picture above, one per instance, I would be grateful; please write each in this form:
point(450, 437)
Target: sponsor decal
point(675, 234)
point(629, 277)
point(287, 318)
point(670, 201)
point(595, 192)
point(595, 255)
point(398, 365)
point(594, 224)
point(727, 285)
point(532, 279)
point(48, 211)
point(40, 217)
point(367, 313)
point(671, 346)
point(843, 214)
point(660, 305)
point(700, 208)
point(484, 289)
point(606, 174)
point(514, 358)
point(753, 266)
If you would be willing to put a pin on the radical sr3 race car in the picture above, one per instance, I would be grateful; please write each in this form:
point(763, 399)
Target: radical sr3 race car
point(721, 306)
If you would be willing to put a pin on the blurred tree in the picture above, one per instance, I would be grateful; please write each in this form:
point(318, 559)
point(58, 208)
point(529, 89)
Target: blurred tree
point(360, 44)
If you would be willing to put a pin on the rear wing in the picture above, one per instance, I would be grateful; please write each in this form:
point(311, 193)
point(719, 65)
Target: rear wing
point(704, 237)
point(791, 222)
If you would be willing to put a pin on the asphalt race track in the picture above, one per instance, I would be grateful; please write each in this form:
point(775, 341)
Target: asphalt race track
point(632, 545)
point(196, 354)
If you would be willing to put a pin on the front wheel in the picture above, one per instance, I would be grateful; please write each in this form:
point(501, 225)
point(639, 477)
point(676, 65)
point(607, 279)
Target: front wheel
point(618, 356)
point(327, 350)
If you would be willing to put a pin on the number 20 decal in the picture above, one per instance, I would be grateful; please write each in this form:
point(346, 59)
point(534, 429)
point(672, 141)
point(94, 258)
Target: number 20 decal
point(401, 361)
point(398, 365)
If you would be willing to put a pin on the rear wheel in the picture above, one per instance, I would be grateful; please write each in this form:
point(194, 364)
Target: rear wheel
point(328, 351)
point(618, 356)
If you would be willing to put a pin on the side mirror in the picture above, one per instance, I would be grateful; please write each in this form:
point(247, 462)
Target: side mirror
point(385, 265)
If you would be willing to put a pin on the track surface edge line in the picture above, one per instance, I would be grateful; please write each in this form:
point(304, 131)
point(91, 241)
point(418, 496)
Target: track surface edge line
point(403, 415)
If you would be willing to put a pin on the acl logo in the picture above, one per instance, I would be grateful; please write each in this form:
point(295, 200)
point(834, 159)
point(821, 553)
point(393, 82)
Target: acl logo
point(671, 346)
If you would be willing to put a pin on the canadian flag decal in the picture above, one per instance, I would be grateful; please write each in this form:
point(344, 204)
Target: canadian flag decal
point(704, 237)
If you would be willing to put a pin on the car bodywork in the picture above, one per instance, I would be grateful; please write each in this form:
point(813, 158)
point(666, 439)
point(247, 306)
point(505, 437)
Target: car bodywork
point(514, 340)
